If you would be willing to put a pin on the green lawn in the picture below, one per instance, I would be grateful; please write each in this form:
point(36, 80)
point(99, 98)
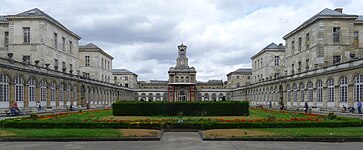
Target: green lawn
point(254, 114)
point(287, 132)
point(44, 133)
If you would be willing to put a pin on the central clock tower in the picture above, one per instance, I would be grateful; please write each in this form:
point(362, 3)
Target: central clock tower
point(182, 78)
point(182, 60)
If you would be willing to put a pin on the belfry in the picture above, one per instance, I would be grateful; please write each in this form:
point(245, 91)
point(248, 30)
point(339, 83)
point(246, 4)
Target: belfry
point(182, 78)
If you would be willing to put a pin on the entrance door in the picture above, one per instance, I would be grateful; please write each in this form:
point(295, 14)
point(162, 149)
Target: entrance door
point(182, 96)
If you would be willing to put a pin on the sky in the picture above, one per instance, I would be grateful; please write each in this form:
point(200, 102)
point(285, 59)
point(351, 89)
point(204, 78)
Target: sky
point(143, 35)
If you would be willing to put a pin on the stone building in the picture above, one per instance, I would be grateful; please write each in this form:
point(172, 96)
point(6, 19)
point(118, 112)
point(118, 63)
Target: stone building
point(182, 78)
point(124, 77)
point(323, 65)
point(35, 37)
point(239, 77)
point(95, 63)
point(39, 62)
point(268, 63)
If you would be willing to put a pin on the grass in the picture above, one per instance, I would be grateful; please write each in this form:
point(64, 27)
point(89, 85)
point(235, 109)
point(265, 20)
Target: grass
point(61, 133)
point(254, 114)
point(287, 132)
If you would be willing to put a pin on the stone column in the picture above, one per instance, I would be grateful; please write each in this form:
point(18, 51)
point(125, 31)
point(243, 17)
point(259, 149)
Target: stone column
point(350, 94)
point(37, 93)
point(336, 97)
point(11, 93)
point(26, 96)
point(48, 95)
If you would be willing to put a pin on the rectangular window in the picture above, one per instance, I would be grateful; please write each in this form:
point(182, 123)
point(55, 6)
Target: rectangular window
point(63, 44)
point(87, 60)
point(70, 67)
point(26, 34)
point(277, 75)
point(356, 39)
point(26, 58)
point(307, 42)
point(277, 60)
point(292, 47)
point(292, 68)
point(6, 39)
point(299, 46)
point(336, 59)
point(55, 40)
point(102, 62)
point(105, 63)
point(108, 65)
point(237, 77)
point(299, 66)
point(336, 34)
point(70, 47)
point(126, 78)
point(307, 64)
point(63, 64)
point(55, 62)
point(126, 85)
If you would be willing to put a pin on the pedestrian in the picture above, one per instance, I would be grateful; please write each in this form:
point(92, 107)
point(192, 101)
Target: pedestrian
point(270, 104)
point(306, 107)
point(359, 104)
point(38, 106)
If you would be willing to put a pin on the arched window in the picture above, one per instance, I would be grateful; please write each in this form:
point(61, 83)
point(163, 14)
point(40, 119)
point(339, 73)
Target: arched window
point(220, 96)
point(310, 91)
point(143, 97)
point(302, 94)
point(31, 88)
point(206, 97)
point(343, 88)
point(176, 79)
point(199, 97)
point(187, 79)
point(182, 79)
point(19, 88)
point(4, 88)
point(61, 92)
point(319, 88)
point(330, 85)
point(52, 91)
point(295, 92)
point(358, 88)
point(214, 97)
point(150, 97)
point(158, 97)
point(43, 90)
point(68, 93)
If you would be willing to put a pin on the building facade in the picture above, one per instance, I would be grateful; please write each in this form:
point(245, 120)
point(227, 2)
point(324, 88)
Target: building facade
point(239, 77)
point(124, 77)
point(95, 63)
point(322, 66)
point(39, 63)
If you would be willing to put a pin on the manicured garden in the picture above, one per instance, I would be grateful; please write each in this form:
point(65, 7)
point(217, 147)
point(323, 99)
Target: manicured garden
point(253, 122)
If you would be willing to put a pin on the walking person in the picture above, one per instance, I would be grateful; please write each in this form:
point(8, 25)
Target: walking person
point(359, 104)
point(270, 104)
point(306, 107)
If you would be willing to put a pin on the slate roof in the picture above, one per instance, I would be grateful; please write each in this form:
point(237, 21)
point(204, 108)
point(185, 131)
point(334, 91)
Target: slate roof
point(269, 47)
point(359, 19)
point(3, 19)
point(35, 12)
point(246, 71)
point(122, 71)
point(90, 47)
point(325, 13)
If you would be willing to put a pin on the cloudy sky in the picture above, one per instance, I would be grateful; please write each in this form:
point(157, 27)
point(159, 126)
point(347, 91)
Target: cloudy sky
point(143, 35)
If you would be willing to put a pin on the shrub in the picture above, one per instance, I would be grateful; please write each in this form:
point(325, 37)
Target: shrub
point(227, 108)
point(34, 116)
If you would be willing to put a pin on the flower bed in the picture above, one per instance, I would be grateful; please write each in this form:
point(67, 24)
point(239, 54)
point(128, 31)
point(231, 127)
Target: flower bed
point(269, 119)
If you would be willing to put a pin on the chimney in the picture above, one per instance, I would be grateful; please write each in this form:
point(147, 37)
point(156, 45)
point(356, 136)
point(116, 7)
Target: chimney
point(339, 10)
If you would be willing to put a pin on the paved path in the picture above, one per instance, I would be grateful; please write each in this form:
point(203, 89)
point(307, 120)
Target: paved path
point(178, 141)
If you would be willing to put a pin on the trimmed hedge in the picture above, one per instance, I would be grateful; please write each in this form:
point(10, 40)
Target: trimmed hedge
point(231, 108)
point(175, 125)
